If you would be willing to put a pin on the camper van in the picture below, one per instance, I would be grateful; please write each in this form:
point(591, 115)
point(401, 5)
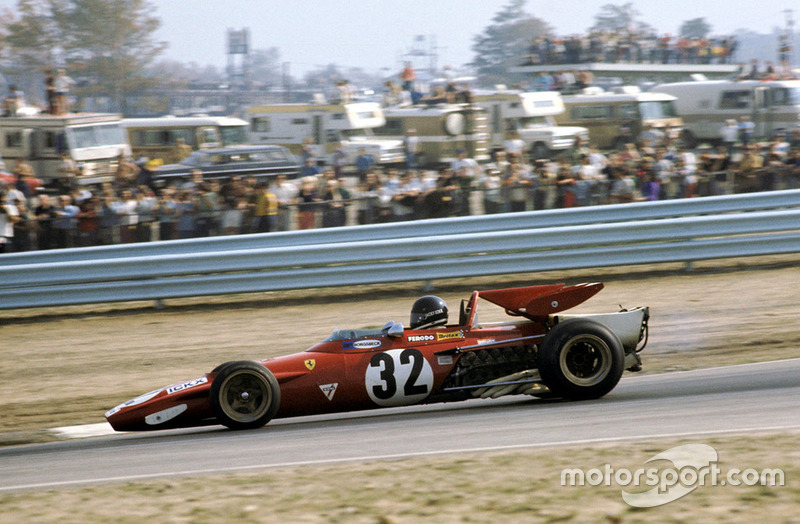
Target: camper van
point(327, 126)
point(772, 105)
point(156, 138)
point(531, 116)
point(93, 140)
point(617, 117)
point(441, 129)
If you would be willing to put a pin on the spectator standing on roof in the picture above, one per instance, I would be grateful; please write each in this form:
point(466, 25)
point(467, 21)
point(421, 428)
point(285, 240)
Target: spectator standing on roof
point(408, 76)
point(62, 85)
point(13, 101)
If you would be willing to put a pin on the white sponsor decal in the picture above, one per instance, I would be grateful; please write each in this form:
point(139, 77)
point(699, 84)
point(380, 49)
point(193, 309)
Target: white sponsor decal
point(329, 389)
point(485, 341)
point(366, 344)
point(138, 400)
point(444, 360)
point(165, 415)
point(421, 338)
point(186, 385)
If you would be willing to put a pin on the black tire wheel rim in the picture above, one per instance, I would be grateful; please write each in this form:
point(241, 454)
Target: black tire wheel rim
point(245, 396)
point(585, 360)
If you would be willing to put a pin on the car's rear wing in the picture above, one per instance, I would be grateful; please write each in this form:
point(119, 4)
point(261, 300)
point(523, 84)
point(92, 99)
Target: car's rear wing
point(537, 302)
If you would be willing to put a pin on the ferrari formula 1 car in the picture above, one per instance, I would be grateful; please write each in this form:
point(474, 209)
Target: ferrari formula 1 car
point(539, 353)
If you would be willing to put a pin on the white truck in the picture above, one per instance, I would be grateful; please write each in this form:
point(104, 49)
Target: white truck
point(772, 105)
point(327, 126)
point(531, 115)
point(93, 140)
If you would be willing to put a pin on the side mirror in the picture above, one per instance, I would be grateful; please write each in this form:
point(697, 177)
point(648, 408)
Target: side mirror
point(396, 330)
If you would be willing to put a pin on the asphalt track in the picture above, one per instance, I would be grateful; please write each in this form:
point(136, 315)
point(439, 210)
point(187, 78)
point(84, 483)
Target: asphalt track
point(738, 399)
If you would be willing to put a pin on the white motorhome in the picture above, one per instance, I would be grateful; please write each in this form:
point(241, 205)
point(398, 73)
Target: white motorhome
point(93, 140)
point(441, 130)
point(617, 117)
point(327, 125)
point(705, 105)
point(157, 137)
point(531, 115)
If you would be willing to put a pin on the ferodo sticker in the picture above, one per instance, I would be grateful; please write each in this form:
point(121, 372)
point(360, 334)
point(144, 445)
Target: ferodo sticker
point(186, 385)
point(421, 338)
point(398, 377)
point(449, 336)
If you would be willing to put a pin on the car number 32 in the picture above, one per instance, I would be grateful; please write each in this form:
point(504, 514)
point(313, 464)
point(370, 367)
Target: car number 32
point(398, 377)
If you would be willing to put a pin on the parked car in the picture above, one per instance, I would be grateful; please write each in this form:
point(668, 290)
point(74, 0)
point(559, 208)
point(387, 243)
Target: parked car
point(258, 161)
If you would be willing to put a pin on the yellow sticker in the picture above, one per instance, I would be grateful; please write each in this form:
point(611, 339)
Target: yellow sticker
point(449, 336)
point(310, 363)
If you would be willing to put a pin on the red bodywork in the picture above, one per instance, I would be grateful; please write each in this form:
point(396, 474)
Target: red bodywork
point(362, 369)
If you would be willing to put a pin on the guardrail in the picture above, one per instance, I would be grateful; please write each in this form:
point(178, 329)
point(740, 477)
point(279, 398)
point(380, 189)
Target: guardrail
point(626, 234)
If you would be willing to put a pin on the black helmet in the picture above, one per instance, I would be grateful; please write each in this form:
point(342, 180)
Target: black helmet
point(428, 312)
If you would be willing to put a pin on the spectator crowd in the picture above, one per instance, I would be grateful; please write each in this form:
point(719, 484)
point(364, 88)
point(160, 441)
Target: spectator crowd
point(132, 208)
point(630, 46)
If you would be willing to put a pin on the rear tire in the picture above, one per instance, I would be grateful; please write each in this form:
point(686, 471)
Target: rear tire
point(580, 359)
point(244, 395)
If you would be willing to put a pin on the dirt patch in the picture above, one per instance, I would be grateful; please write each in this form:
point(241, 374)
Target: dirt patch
point(68, 365)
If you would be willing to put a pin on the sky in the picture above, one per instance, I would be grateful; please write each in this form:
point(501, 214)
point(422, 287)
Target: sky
point(374, 34)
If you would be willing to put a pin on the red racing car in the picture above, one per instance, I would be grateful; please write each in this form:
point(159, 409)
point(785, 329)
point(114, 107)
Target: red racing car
point(540, 353)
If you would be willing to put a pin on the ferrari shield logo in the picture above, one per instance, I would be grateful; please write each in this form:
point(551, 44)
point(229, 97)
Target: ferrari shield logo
point(310, 363)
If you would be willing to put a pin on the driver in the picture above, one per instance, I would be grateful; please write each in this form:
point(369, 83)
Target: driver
point(428, 312)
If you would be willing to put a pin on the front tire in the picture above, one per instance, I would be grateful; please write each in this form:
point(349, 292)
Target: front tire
point(580, 359)
point(244, 395)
